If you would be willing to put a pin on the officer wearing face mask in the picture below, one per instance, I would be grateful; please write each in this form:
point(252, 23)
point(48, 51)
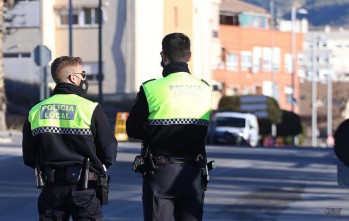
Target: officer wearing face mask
point(171, 116)
point(68, 141)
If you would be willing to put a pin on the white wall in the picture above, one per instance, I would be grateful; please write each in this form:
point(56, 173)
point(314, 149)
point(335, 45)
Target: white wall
point(148, 37)
point(48, 25)
point(201, 42)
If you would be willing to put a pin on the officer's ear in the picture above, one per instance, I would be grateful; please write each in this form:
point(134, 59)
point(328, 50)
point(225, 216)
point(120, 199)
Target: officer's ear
point(164, 58)
point(73, 79)
point(189, 57)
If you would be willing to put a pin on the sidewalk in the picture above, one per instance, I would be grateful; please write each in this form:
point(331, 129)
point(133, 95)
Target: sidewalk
point(9, 136)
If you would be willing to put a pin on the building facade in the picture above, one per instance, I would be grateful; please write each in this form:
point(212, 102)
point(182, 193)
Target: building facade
point(255, 58)
point(132, 31)
point(325, 54)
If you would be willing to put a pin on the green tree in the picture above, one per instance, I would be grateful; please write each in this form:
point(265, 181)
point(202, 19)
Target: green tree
point(290, 124)
point(229, 103)
point(232, 103)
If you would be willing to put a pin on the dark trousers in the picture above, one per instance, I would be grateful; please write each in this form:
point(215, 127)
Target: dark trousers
point(59, 202)
point(174, 190)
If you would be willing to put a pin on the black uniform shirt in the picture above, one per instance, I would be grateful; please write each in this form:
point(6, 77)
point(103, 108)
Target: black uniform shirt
point(181, 140)
point(72, 148)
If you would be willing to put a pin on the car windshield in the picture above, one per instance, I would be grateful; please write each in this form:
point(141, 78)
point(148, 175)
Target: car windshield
point(230, 122)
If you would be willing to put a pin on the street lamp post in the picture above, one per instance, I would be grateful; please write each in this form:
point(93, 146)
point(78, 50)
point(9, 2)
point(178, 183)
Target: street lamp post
point(314, 92)
point(293, 48)
point(329, 97)
point(70, 28)
point(100, 54)
point(294, 12)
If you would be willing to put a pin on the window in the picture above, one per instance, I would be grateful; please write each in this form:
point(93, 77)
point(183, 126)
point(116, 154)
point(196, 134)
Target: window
point(227, 18)
point(276, 59)
point(267, 88)
point(64, 17)
point(246, 60)
point(288, 63)
point(232, 61)
point(323, 59)
point(81, 17)
point(259, 90)
point(230, 122)
point(91, 16)
point(91, 69)
point(215, 34)
point(246, 91)
point(257, 57)
point(16, 55)
point(235, 91)
point(267, 59)
point(322, 75)
point(289, 94)
point(252, 20)
point(301, 60)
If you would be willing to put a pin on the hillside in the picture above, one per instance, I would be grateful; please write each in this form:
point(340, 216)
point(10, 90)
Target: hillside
point(336, 11)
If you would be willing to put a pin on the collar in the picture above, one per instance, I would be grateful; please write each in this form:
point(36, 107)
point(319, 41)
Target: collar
point(67, 88)
point(175, 67)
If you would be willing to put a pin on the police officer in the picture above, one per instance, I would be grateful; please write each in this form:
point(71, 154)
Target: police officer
point(341, 142)
point(62, 132)
point(171, 116)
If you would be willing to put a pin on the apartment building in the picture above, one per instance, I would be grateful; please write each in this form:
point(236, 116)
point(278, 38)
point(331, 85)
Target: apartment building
point(325, 53)
point(255, 58)
point(132, 31)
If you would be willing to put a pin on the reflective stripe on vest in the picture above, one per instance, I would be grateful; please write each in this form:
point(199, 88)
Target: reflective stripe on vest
point(63, 114)
point(178, 98)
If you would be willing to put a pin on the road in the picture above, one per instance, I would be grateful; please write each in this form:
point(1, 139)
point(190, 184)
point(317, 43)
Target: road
point(271, 184)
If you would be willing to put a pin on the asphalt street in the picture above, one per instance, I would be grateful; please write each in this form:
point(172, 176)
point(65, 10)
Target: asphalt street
point(271, 184)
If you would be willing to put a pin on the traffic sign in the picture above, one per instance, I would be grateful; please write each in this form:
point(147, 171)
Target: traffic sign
point(46, 55)
point(255, 104)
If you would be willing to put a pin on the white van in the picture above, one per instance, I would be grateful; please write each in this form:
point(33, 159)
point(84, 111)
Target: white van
point(235, 125)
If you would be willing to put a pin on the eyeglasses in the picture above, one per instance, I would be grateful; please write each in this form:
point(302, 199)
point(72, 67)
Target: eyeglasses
point(83, 75)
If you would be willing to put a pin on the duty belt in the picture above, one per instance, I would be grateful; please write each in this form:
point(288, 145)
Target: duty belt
point(59, 176)
point(159, 160)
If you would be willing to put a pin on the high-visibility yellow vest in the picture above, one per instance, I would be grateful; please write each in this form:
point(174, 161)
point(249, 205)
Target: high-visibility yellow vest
point(63, 114)
point(178, 98)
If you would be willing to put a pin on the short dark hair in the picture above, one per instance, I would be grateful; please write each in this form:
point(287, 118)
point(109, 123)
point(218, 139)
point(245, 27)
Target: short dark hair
point(176, 46)
point(60, 63)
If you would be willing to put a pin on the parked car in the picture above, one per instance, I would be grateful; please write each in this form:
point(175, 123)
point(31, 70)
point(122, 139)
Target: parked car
point(234, 128)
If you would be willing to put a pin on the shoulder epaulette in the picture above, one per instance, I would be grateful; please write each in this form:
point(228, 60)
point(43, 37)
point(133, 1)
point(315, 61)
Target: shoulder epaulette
point(205, 82)
point(148, 81)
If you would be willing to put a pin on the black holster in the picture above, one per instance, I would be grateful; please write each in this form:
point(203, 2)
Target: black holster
point(39, 177)
point(205, 167)
point(102, 190)
point(144, 164)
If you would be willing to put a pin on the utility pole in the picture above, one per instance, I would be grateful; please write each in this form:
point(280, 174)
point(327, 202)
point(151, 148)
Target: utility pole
point(100, 52)
point(329, 97)
point(293, 48)
point(70, 28)
point(294, 11)
point(272, 41)
point(314, 92)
